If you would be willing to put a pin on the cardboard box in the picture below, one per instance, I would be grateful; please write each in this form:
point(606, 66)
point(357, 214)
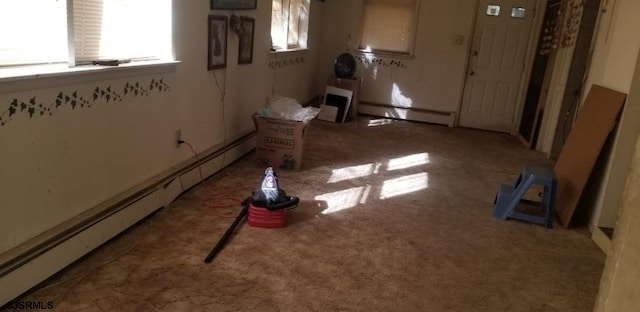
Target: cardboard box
point(280, 142)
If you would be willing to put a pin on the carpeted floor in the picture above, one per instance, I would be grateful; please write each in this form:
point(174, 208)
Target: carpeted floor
point(393, 217)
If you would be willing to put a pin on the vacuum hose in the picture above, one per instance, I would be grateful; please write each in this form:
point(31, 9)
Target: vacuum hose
point(268, 195)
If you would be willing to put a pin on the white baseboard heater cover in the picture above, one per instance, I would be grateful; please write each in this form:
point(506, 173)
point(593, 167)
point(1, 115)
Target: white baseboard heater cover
point(413, 114)
point(29, 264)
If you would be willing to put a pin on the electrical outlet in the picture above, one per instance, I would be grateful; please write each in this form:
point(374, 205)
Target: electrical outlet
point(178, 137)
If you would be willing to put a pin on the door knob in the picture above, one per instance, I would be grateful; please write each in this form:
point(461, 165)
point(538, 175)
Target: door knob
point(474, 52)
point(471, 73)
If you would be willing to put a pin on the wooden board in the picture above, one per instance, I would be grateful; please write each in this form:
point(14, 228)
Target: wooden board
point(580, 153)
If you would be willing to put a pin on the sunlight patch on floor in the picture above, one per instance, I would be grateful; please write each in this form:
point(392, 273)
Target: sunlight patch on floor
point(379, 122)
point(404, 185)
point(352, 197)
point(408, 161)
point(342, 200)
point(352, 172)
point(365, 194)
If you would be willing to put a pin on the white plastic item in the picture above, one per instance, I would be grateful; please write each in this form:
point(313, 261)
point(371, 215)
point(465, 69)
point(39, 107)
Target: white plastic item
point(290, 109)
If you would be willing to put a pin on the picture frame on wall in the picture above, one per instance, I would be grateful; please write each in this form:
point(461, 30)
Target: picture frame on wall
point(217, 51)
point(233, 4)
point(245, 48)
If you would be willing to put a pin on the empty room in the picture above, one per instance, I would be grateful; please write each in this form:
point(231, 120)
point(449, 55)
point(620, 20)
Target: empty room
point(319, 155)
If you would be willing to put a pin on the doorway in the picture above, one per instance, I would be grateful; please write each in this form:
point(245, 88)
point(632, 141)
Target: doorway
point(576, 80)
point(537, 92)
point(496, 66)
point(558, 76)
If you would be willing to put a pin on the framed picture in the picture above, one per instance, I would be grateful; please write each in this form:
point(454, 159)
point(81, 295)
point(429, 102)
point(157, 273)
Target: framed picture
point(245, 49)
point(233, 4)
point(217, 56)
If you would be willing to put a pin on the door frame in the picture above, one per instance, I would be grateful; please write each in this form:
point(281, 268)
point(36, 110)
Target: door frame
point(532, 45)
point(553, 107)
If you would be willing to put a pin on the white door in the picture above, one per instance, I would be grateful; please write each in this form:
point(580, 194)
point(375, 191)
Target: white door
point(496, 64)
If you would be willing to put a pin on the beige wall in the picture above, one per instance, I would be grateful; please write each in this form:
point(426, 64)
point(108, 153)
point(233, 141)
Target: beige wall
point(616, 46)
point(433, 78)
point(54, 167)
point(618, 203)
point(613, 64)
point(620, 286)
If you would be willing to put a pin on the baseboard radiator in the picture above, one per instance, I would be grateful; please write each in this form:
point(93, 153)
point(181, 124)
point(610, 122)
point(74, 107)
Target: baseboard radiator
point(414, 114)
point(32, 262)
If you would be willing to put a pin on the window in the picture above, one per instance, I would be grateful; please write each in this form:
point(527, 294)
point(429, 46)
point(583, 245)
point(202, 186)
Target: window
point(289, 24)
point(121, 29)
point(94, 30)
point(33, 32)
point(389, 25)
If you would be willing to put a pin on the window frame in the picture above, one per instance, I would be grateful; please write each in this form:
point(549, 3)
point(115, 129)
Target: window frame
point(80, 59)
point(411, 46)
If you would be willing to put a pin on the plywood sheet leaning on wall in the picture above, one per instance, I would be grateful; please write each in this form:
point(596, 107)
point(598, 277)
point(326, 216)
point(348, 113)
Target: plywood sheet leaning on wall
point(580, 153)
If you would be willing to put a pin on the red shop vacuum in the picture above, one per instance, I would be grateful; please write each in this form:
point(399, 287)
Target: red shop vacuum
point(267, 208)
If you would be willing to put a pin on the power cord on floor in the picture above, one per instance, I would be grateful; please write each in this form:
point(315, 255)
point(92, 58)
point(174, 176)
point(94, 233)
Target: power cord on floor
point(223, 200)
point(223, 94)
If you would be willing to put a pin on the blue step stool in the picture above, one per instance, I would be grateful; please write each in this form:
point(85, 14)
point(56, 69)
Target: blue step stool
point(510, 196)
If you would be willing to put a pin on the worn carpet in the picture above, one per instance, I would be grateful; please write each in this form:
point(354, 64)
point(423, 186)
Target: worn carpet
point(394, 216)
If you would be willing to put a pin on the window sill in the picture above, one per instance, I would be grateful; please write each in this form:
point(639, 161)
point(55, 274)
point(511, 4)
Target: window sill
point(288, 51)
point(16, 79)
point(394, 55)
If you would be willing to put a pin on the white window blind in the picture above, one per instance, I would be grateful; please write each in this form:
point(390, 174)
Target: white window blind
point(389, 25)
point(120, 29)
point(33, 32)
point(289, 24)
point(278, 25)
